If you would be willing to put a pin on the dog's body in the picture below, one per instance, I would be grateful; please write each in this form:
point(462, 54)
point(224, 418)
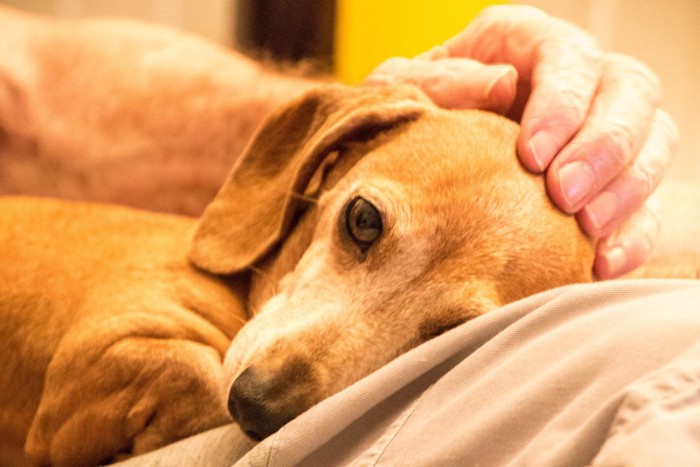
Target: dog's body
point(424, 220)
point(105, 322)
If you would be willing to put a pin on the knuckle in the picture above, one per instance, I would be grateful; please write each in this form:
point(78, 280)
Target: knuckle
point(668, 128)
point(648, 171)
point(395, 63)
point(566, 114)
point(648, 221)
point(573, 40)
point(434, 85)
point(392, 70)
point(632, 73)
point(572, 45)
point(609, 152)
point(649, 174)
point(619, 141)
point(491, 11)
point(576, 41)
point(653, 208)
point(438, 52)
point(644, 175)
point(499, 12)
point(569, 115)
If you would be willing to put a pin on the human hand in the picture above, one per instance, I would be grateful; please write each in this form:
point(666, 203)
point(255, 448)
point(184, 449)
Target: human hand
point(590, 119)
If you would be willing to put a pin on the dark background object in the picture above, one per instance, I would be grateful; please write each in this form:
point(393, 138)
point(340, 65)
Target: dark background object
point(288, 31)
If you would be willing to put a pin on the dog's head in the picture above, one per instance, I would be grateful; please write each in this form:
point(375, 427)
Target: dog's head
point(389, 221)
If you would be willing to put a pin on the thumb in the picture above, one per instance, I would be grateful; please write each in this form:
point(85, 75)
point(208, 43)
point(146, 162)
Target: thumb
point(453, 83)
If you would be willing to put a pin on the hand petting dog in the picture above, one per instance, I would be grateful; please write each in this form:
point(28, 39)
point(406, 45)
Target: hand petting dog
point(590, 119)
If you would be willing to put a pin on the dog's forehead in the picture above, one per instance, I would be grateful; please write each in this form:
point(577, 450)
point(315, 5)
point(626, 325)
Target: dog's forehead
point(447, 164)
point(450, 184)
point(446, 147)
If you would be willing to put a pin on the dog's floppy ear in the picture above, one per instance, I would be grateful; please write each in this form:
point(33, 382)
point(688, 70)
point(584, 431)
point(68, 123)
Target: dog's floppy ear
point(259, 201)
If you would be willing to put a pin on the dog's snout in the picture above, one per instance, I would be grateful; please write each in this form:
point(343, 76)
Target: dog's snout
point(261, 401)
point(247, 405)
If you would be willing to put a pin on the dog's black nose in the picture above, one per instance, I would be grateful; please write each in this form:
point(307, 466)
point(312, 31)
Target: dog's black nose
point(254, 402)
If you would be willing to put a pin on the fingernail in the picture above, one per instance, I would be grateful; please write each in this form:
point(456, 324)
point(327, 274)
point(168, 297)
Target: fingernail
point(500, 91)
point(614, 261)
point(603, 209)
point(543, 148)
point(576, 182)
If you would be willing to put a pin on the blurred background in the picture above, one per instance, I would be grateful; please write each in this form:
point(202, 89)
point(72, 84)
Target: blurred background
point(349, 37)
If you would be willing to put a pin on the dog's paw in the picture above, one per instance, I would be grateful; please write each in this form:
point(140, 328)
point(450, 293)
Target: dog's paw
point(133, 395)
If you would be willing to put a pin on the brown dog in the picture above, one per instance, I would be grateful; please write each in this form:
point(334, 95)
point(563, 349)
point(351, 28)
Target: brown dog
point(358, 224)
point(424, 220)
point(381, 222)
point(111, 342)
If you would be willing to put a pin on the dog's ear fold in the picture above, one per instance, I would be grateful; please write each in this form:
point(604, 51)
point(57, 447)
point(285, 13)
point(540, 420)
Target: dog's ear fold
point(259, 201)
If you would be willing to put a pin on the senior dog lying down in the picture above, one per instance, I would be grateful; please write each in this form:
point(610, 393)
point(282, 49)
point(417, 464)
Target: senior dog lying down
point(358, 224)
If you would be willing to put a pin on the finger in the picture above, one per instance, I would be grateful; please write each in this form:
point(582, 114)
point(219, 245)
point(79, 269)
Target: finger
point(630, 245)
point(628, 191)
point(560, 62)
point(453, 83)
point(502, 34)
point(438, 52)
point(613, 132)
point(562, 89)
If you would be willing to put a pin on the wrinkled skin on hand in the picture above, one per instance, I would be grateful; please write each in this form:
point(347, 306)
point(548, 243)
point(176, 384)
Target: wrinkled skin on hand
point(589, 119)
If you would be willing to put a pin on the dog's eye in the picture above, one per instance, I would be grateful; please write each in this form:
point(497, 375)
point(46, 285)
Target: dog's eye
point(363, 222)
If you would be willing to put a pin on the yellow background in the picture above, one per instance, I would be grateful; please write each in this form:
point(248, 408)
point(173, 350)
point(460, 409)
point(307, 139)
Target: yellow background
point(370, 31)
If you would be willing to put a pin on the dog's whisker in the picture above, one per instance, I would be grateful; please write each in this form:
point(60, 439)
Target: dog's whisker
point(241, 320)
point(299, 196)
point(308, 199)
point(251, 310)
point(270, 282)
point(261, 273)
point(293, 194)
point(410, 199)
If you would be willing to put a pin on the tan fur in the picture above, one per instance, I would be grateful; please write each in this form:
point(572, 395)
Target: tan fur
point(114, 342)
point(111, 343)
point(466, 231)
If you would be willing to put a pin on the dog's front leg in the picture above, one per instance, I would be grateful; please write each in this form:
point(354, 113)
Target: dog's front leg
point(121, 387)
